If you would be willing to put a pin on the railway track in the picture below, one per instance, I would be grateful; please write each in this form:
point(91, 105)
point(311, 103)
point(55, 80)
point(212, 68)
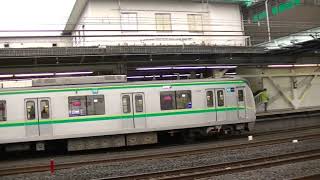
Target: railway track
point(158, 155)
point(311, 177)
point(226, 168)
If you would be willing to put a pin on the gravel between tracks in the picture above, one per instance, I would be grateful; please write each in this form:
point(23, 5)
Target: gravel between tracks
point(134, 167)
point(289, 171)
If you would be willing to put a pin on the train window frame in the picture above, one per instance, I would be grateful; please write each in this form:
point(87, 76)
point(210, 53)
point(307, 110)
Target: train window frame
point(175, 102)
point(3, 112)
point(210, 104)
point(182, 104)
point(89, 107)
point(221, 101)
point(165, 106)
point(31, 110)
point(45, 110)
point(126, 108)
point(139, 107)
point(98, 104)
point(240, 95)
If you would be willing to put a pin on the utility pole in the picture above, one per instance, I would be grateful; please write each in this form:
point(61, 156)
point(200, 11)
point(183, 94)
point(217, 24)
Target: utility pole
point(268, 24)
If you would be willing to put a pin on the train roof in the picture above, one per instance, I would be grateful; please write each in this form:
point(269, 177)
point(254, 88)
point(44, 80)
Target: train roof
point(96, 81)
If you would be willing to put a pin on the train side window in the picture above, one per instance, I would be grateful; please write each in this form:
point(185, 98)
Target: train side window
point(138, 102)
point(77, 106)
point(168, 100)
point(220, 98)
point(45, 109)
point(126, 104)
point(209, 98)
point(86, 105)
point(31, 111)
point(183, 99)
point(95, 105)
point(3, 111)
point(240, 95)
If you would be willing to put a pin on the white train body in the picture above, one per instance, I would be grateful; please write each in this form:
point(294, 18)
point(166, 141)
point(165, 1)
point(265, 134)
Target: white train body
point(122, 111)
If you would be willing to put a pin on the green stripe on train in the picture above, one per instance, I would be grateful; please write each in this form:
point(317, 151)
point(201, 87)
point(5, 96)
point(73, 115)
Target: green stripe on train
point(118, 117)
point(118, 87)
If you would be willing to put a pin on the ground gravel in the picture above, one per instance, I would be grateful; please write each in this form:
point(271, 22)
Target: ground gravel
point(289, 171)
point(220, 156)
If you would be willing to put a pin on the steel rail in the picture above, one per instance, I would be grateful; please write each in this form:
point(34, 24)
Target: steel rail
point(308, 177)
point(227, 168)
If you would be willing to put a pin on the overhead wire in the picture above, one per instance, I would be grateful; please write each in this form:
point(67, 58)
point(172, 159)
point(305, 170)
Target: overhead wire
point(144, 27)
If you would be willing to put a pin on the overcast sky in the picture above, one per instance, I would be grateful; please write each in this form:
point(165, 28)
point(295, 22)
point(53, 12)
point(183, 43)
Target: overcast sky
point(34, 14)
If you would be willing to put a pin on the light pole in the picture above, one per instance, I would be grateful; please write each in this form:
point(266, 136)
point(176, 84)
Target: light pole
point(268, 24)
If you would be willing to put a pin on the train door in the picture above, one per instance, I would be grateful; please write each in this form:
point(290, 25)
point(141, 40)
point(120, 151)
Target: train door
point(210, 104)
point(220, 103)
point(133, 104)
point(241, 103)
point(38, 110)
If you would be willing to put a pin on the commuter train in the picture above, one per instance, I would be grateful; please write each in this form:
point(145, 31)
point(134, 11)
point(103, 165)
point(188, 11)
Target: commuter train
point(100, 112)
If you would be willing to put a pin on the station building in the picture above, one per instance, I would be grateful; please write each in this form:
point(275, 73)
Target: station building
point(166, 22)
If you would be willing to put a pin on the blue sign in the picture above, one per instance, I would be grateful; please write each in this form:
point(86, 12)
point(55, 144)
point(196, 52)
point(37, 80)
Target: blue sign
point(229, 90)
point(94, 91)
point(189, 105)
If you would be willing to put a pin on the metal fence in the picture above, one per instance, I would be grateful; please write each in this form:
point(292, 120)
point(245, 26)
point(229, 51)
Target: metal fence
point(125, 50)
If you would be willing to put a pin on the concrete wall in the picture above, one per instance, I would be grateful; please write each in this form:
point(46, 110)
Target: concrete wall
point(16, 42)
point(106, 15)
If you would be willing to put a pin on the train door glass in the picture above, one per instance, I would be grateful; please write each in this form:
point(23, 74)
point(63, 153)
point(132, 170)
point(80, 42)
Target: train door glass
point(126, 103)
point(31, 113)
point(31, 109)
point(139, 110)
point(210, 103)
point(220, 103)
point(133, 104)
point(241, 103)
point(44, 114)
point(38, 110)
point(3, 111)
point(44, 107)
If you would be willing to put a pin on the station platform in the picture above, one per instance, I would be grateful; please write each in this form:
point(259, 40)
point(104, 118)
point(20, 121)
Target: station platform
point(275, 114)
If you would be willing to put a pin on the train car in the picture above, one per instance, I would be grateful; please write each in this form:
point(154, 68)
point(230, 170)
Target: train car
point(89, 114)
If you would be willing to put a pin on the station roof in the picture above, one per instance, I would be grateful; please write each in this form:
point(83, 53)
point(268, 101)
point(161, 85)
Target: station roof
point(292, 40)
point(75, 15)
point(111, 59)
